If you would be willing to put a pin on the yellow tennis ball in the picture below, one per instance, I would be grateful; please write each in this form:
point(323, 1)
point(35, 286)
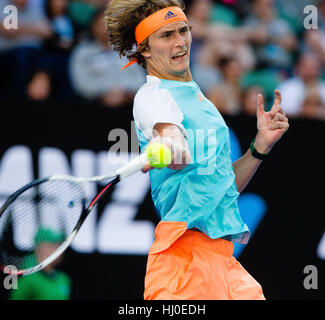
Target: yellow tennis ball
point(159, 155)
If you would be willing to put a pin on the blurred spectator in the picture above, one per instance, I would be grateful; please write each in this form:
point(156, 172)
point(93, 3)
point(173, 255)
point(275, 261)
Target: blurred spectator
point(225, 40)
point(313, 106)
point(272, 37)
point(205, 76)
point(50, 283)
point(81, 13)
point(241, 7)
point(226, 12)
point(226, 95)
point(57, 48)
point(199, 18)
point(95, 70)
point(249, 100)
point(33, 25)
point(221, 41)
point(199, 13)
point(39, 86)
point(20, 48)
point(267, 79)
point(293, 13)
point(63, 33)
point(307, 76)
point(314, 39)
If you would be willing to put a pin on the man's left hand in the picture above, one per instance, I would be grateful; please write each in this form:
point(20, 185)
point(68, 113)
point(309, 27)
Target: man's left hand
point(271, 125)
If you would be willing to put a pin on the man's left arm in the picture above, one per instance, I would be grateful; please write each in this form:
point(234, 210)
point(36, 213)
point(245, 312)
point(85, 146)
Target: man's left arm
point(271, 127)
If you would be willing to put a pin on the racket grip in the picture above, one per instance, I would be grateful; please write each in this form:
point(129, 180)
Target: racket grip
point(133, 166)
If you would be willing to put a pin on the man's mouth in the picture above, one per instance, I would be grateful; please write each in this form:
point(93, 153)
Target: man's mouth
point(179, 55)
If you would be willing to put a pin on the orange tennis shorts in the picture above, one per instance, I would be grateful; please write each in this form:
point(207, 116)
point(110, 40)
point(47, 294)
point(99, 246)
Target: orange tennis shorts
point(188, 265)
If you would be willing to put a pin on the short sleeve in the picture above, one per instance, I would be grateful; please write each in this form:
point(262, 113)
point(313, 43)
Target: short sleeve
point(153, 105)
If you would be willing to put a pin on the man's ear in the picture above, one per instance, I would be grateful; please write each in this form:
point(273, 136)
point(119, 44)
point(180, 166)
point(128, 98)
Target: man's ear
point(145, 53)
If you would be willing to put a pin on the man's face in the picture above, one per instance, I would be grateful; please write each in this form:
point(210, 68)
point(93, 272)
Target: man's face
point(169, 49)
point(309, 67)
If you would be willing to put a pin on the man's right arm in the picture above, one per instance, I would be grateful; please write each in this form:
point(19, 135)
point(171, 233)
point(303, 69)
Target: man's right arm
point(171, 135)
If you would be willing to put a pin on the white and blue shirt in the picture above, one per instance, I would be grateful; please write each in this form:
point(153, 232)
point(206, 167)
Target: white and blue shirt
point(204, 194)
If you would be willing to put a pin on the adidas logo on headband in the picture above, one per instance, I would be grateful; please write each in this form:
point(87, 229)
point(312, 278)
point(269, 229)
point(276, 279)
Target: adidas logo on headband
point(170, 15)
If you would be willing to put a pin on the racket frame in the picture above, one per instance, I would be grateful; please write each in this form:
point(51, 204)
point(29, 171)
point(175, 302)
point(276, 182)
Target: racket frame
point(126, 170)
point(84, 214)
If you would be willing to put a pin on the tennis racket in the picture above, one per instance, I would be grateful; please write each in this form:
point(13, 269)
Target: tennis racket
point(50, 212)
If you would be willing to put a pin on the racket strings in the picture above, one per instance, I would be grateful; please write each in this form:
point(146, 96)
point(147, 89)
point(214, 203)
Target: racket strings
point(35, 224)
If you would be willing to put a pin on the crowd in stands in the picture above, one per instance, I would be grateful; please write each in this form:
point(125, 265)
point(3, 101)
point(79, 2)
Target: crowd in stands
point(60, 54)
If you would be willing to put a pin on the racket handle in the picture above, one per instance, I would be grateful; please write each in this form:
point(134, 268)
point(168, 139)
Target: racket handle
point(133, 166)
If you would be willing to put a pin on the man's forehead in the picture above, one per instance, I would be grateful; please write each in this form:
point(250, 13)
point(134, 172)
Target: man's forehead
point(172, 26)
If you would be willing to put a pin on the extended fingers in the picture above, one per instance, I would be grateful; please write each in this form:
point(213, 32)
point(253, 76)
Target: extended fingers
point(277, 104)
point(260, 104)
point(276, 109)
point(278, 98)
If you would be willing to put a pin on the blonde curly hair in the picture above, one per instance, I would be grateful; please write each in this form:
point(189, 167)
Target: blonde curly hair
point(121, 19)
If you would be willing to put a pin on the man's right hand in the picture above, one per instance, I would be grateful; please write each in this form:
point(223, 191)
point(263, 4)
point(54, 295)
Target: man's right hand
point(172, 137)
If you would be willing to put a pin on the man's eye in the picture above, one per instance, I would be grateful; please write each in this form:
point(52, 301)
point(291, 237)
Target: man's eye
point(166, 35)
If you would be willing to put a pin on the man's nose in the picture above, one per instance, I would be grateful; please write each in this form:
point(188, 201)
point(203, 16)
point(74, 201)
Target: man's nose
point(180, 40)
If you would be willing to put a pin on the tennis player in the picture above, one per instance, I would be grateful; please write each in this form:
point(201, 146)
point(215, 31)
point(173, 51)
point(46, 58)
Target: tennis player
point(196, 196)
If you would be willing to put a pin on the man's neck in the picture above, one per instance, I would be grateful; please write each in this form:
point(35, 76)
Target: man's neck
point(186, 77)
